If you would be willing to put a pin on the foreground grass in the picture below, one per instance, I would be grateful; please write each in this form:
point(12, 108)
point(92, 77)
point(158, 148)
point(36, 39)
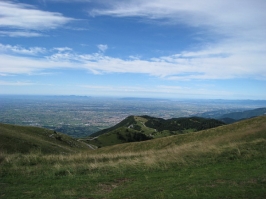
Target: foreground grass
point(226, 179)
point(225, 162)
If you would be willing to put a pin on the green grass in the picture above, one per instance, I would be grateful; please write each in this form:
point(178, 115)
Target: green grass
point(224, 162)
point(119, 136)
point(24, 139)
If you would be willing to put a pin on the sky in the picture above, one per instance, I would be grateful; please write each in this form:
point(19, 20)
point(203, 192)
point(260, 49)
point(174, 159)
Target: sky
point(136, 48)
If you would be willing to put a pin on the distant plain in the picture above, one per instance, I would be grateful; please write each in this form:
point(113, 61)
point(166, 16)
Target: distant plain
point(80, 116)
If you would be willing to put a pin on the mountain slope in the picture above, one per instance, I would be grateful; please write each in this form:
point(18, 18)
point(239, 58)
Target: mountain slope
point(243, 114)
point(24, 139)
point(244, 131)
point(141, 128)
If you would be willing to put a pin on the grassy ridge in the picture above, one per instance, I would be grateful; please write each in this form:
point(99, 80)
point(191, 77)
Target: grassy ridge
point(141, 128)
point(24, 139)
point(241, 131)
point(224, 162)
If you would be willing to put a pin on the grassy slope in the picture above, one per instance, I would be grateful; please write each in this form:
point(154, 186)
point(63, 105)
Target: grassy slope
point(32, 139)
point(222, 135)
point(224, 162)
point(139, 128)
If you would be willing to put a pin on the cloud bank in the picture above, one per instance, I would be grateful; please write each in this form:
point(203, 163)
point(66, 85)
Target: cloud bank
point(23, 20)
point(208, 64)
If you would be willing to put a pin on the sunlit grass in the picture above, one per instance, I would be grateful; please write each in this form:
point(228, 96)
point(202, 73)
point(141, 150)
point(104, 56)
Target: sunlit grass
point(224, 162)
point(183, 154)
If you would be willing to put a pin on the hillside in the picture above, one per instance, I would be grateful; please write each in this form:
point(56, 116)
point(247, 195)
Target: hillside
point(24, 139)
point(235, 116)
point(223, 162)
point(239, 132)
point(141, 128)
point(230, 116)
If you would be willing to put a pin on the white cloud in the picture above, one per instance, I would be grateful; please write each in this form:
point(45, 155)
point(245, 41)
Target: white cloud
point(20, 34)
point(234, 19)
point(211, 63)
point(20, 50)
point(239, 53)
point(70, 1)
point(14, 64)
point(102, 47)
point(62, 49)
point(19, 17)
point(191, 12)
point(16, 83)
point(238, 27)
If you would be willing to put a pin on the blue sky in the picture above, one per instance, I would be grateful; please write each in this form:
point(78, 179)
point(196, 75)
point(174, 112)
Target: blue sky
point(137, 48)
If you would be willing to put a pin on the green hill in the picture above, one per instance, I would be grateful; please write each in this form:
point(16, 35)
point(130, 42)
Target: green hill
point(223, 162)
point(24, 139)
point(141, 128)
point(239, 132)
